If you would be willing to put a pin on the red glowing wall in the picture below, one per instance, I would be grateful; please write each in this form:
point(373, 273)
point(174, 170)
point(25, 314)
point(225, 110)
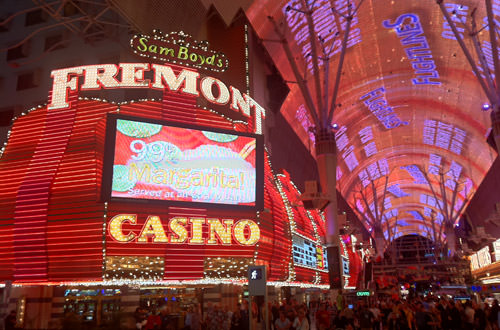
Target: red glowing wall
point(54, 224)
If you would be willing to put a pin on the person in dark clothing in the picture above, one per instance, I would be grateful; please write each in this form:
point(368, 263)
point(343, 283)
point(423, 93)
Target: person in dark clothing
point(167, 322)
point(493, 314)
point(245, 321)
point(236, 320)
point(275, 311)
point(11, 320)
point(422, 319)
point(445, 314)
point(365, 317)
point(480, 319)
point(456, 317)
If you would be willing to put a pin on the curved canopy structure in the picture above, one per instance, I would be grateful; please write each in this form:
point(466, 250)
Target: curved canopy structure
point(410, 130)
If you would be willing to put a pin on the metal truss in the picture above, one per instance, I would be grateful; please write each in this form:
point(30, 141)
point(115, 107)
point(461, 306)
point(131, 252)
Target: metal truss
point(92, 20)
point(489, 81)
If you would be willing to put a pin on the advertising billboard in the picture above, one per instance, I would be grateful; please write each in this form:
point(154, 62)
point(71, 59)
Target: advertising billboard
point(182, 164)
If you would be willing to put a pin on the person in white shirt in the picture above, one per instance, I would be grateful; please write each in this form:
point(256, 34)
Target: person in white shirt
point(300, 322)
point(469, 316)
point(282, 323)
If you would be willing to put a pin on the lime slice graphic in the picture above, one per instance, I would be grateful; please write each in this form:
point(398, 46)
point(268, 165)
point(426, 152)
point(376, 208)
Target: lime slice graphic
point(137, 129)
point(120, 179)
point(220, 137)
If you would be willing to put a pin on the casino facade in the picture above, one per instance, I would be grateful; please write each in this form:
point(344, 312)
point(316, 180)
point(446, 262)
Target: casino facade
point(156, 166)
point(108, 206)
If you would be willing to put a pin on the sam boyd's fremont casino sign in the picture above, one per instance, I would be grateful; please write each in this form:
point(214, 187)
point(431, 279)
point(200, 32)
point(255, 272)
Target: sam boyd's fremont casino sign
point(131, 75)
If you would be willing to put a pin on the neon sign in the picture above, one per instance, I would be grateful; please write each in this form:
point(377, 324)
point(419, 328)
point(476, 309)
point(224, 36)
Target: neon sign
point(419, 52)
point(184, 230)
point(179, 48)
point(187, 82)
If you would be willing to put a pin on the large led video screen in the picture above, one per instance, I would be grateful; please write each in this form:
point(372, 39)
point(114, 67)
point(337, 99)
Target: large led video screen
point(181, 164)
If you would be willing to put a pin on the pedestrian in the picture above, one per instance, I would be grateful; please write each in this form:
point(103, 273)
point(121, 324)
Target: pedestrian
point(469, 316)
point(366, 318)
point(300, 322)
point(493, 315)
point(10, 321)
point(322, 318)
point(236, 321)
point(282, 322)
point(153, 321)
point(140, 318)
point(189, 319)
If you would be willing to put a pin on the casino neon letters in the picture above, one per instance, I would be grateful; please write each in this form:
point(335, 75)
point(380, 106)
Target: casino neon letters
point(184, 230)
point(186, 81)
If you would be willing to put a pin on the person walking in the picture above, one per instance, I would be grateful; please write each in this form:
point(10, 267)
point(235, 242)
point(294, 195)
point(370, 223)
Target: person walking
point(282, 323)
point(300, 322)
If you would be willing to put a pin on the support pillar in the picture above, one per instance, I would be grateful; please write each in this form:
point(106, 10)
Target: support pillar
point(495, 124)
point(326, 156)
point(450, 240)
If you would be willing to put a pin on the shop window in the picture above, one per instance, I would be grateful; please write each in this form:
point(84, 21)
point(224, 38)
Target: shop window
point(18, 52)
point(35, 17)
point(55, 42)
point(28, 80)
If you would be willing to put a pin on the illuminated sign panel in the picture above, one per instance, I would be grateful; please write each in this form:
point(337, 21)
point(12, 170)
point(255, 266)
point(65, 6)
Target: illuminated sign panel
point(96, 77)
point(484, 257)
point(184, 230)
point(305, 253)
point(496, 250)
point(180, 164)
point(180, 48)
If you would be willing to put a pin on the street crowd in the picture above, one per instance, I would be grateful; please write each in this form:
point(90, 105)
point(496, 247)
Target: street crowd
point(390, 314)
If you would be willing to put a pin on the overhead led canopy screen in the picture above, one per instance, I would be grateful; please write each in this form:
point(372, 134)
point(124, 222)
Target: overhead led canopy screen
point(180, 164)
point(409, 106)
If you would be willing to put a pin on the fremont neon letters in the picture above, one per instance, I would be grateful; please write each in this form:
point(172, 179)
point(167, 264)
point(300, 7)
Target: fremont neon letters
point(182, 230)
point(187, 82)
